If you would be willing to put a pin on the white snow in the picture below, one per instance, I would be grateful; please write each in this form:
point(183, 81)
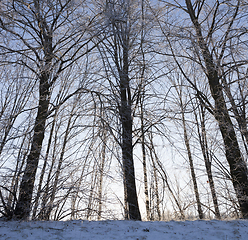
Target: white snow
point(124, 230)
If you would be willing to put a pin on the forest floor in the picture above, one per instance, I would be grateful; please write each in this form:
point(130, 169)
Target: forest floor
point(124, 230)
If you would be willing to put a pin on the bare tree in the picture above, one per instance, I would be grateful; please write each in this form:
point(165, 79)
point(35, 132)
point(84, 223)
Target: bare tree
point(121, 47)
point(238, 167)
point(208, 48)
point(49, 38)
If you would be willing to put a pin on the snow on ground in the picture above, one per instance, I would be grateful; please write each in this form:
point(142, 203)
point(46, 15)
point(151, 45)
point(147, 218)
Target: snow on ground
point(124, 230)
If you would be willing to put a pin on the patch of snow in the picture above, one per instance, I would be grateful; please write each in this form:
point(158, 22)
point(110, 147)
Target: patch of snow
point(124, 230)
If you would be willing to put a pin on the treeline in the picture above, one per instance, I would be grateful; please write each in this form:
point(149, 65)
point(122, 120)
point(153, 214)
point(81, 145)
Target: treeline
point(100, 101)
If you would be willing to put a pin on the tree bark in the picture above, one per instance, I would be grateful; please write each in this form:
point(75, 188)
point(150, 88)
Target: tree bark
point(36, 202)
point(23, 206)
point(127, 157)
point(127, 148)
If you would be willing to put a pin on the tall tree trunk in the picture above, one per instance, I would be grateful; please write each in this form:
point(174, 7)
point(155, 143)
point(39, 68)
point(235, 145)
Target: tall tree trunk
point(23, 206)
point(144, 162)
point(205, 152)
point(119, 49)
point(192, 169)
point(237, 164)
point(208, 162)
point(101, 170)
point(127, 156)
point(127, 147)
point(141, 98)
point(157, 203)
point(36, 202)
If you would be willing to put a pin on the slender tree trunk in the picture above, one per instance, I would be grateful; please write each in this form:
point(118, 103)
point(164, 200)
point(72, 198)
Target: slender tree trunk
point(126, 216)
point(237, 164)
point(14, 182)
point(240, 117)
point(101, 170)
point(144, 162)
point(205, 151)
point(80, 180)
point(45, 197)
point(156, 187)
point(141, 98)
point(58, 170)
point(192, 170)
point(90, 200)
point(165, 177)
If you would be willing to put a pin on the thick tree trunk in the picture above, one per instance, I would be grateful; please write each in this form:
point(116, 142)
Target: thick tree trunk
point(127, 148)
point(23, 206)
point(37, 198)
point(128, 164)
point(238, 167)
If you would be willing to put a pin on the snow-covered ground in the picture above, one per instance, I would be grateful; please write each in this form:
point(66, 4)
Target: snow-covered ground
point(123, 230)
